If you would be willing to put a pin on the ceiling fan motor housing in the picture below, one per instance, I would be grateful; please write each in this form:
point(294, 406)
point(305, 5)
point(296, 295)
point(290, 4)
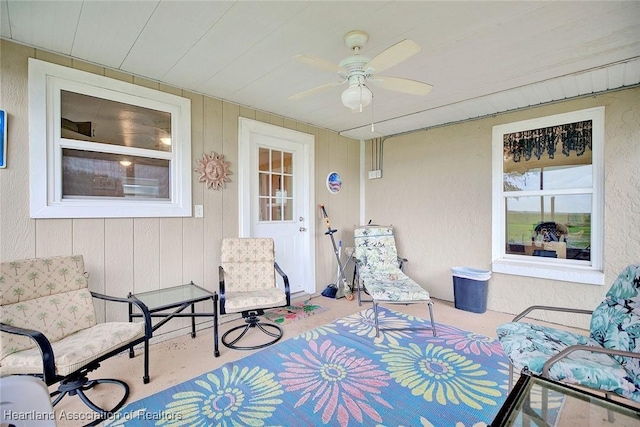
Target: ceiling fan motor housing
point(355, 39)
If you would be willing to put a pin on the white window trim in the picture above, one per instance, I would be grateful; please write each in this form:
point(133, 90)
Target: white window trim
point(549, 268)
point(45, 145)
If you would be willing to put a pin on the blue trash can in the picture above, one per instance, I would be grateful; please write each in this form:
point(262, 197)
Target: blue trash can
point(470, 288)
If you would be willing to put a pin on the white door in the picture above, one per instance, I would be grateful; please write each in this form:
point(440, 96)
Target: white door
point(276, 196)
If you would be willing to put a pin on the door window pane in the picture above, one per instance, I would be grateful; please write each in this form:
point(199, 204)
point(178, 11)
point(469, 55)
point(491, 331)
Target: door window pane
point(288, 210)
point(263, 185)
point(264, 163)
point(276, 161)
point(265, 212)
point(276, 210)
point(287, 162)
point(288, 185)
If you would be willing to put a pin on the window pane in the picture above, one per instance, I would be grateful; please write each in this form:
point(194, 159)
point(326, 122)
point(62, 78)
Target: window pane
point(276, 161)
point(287, 162)
point(288, 209)
point(562, 177)
point(264, 209)
point(550, 178)
point(275, 184)
point(263, 184)
point(288, 185)
point(91, 174)
point(88, 118)
point(276, 210)
point(550, 226)
point(263, 159)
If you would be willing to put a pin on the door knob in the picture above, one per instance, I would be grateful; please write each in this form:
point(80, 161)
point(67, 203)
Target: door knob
point(303, 229)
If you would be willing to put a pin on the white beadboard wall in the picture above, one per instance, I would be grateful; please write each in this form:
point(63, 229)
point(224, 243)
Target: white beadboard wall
point(125, 255)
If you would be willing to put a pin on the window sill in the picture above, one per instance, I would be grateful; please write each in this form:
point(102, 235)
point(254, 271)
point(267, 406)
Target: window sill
point(564, 273)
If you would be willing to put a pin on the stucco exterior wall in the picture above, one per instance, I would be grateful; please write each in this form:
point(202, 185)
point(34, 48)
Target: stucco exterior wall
point(436, 191)
point(125, 255)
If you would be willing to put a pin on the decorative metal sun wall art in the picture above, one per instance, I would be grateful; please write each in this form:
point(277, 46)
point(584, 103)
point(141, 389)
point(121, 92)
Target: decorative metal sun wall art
point(214, 170)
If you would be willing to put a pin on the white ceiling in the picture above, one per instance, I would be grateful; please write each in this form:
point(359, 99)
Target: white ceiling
point(481, 57)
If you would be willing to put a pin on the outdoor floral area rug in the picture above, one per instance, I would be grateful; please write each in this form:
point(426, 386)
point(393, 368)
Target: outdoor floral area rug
point(293, 312)
point(340, 374)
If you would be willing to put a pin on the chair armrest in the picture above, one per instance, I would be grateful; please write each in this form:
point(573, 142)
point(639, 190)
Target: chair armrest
point(550, 308)
point(48, 360)
point(221, 297)
point(564, 353)
point(286, 282)
point(142, 306)
point(109, 297)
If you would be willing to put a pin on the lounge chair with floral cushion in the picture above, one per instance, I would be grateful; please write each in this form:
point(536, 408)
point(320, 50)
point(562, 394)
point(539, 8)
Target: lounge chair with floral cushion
point(380, 274)
point(607, 360)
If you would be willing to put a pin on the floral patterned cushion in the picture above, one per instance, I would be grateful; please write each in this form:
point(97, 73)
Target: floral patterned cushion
point(375, 248)
point(249, 275)
point(49, 295)
point(378, 267)
point(393, 286)
point(615, 324)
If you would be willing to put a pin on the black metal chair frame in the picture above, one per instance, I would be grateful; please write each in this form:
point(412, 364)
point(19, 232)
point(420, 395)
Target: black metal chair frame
point(252, 317)
point(76, 383)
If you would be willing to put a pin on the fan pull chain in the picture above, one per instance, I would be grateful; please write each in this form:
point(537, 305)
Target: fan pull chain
point(373, 128)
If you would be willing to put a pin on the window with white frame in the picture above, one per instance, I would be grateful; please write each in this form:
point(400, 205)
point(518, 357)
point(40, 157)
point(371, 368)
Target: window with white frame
point(104, 148)
point(548, 197)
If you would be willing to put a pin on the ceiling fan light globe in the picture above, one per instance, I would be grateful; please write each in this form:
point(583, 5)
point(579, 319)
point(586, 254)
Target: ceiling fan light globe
point(356, 97)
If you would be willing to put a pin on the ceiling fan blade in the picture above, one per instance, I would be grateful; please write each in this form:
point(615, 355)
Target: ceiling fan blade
point(319, 63)
point(412, 87)
point(314, 91)
point(397, 53)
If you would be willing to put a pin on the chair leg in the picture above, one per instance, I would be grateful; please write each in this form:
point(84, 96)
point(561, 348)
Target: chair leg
point(78, 384)
point(510, 376)
point(433, 324)
point(375, 318)
point(355, 283)
point(610, 416)
point(252, 321)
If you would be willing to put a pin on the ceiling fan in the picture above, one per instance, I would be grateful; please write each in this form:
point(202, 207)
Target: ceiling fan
point(358, 71)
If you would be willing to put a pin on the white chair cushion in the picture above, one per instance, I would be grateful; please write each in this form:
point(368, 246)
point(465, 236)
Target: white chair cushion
point(237, 302)
point(75, 350)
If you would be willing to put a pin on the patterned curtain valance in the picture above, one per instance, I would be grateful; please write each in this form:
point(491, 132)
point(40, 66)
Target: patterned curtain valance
point(573, 137)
